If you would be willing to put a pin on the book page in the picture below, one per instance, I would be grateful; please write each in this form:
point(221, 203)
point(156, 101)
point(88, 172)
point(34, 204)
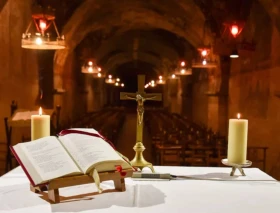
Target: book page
point(88, 150)
point(48, 158)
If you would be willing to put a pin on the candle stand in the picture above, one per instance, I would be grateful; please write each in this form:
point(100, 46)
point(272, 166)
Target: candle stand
point(237, 166)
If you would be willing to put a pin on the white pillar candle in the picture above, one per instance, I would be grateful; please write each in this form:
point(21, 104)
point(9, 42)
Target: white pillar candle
point(40, 125)
point(237, 140)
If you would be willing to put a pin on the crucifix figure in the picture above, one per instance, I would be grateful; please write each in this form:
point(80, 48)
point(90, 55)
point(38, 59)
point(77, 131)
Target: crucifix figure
point(140, 96)
point(140, 106)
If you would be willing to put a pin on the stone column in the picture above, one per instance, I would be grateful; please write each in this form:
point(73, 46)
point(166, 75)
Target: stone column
point(218, 97)
point(174, 96)
point(165, 95)
point(45, 77)
point(103, 93)
point(187, 96)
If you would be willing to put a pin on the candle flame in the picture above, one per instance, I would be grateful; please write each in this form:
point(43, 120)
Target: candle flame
point(40, 111)
point(238, 115)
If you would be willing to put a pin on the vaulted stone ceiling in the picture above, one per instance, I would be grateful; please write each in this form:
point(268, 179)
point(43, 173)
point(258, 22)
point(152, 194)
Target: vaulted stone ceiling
point(157, 32)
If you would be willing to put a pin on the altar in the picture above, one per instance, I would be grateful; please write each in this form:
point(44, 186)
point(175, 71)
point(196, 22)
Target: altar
point(207, 189)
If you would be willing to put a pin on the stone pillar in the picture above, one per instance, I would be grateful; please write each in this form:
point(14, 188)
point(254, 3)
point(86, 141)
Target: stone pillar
point(187, 96)
point(218, 97)
point(91, 96)
point(103, 93)
point(165, 95)
point(45, 97)
point(174, 96)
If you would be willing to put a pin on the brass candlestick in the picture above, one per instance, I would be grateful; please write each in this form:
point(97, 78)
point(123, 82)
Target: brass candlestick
point(139, 160)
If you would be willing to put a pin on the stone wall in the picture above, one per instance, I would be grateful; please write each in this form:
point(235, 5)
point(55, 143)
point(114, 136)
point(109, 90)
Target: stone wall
point(19, 72)
point(79, 94)
point(254, 87)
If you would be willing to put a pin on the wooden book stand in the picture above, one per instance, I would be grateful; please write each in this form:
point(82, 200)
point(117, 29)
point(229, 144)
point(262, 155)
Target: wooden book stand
point(54, 185)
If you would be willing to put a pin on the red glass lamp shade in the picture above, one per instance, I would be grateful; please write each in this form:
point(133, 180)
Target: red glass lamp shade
point(234, 29)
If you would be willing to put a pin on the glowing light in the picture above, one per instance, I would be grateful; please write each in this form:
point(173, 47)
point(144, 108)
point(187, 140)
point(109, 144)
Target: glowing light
point(234, 30)
point(173, 76)
point(99, 69)
point(110, 76)
point(183, 71)
point(110, 80)
point(160, 77)
point(238, 116)
point(40, 111)
point(160, 80)
point(183, 63)
point(117, 79)
point(90, 63)
point(122, 85)
point(90, 69)
point(204, 53)
point(234, 54)
point(153, 85)
point(117, 84)
point(99, 75)
point(42, 24)
point(152, 81)
point(38, 41)
point(204, 62)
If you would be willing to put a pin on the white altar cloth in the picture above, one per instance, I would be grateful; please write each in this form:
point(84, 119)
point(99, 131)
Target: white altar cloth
point(260, 193)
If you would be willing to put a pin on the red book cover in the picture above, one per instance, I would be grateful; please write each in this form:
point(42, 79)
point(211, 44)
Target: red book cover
point(22, 166)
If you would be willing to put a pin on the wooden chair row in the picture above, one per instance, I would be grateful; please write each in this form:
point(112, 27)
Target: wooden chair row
point(178, 141)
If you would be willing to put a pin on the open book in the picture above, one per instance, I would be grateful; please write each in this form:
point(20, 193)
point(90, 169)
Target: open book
point(73, 152)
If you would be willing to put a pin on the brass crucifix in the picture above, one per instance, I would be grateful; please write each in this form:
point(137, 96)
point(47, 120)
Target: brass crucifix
point(140, 96)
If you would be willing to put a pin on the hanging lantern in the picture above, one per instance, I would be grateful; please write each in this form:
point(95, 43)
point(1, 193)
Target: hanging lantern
point(204, 63)
point(234, 27)
point(160, 80)
point(98, 75)
point(183, 71)
point(90, 68)
point(110, 80)
point(204, 51)
point(173, 76)
point(183, 63)
point(41, 37)
point(234, 30)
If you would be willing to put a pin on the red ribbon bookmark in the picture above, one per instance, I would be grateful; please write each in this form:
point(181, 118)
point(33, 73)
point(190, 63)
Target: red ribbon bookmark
point(119, 169)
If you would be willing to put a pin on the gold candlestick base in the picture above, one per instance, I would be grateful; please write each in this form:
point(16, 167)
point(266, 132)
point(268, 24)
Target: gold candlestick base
point(139, 160)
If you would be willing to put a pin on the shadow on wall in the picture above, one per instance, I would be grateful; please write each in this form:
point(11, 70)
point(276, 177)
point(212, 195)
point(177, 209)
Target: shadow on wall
point(256, 100)
point(2, 4)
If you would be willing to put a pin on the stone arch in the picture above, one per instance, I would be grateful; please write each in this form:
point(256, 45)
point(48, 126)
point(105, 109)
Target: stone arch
point(158, 47)
point(124, 57)
point(273, 9)
point(173, 16)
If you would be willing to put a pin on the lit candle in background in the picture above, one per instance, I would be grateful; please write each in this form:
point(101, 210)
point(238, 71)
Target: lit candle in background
point(40, 125)
point(237, 140)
